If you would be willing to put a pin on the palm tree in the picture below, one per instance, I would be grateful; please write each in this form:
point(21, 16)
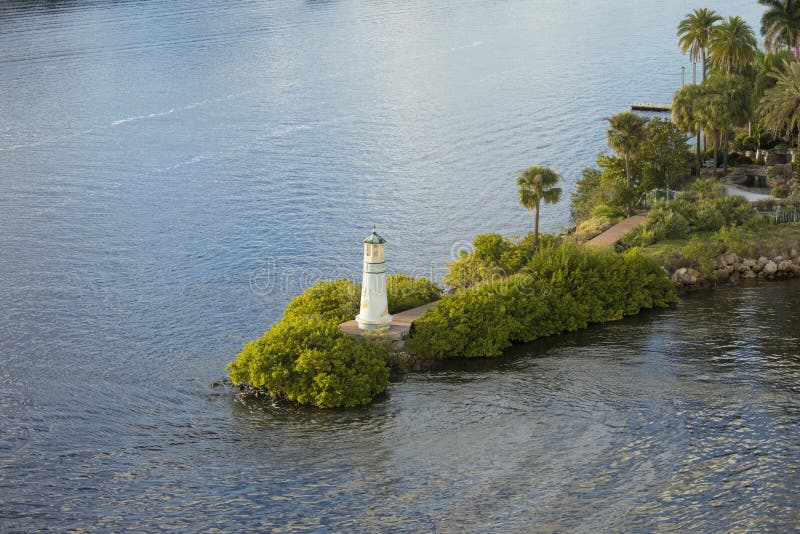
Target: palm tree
point(767, 69)
point(780, 107)
point(625, 136)
point(536, 184)
point(686, 113)
point(694, 32)
point(726, 104)
point(780, 24)
point(733, 44)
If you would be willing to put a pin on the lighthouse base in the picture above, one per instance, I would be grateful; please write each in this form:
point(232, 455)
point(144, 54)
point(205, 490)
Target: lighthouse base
point(384, 322)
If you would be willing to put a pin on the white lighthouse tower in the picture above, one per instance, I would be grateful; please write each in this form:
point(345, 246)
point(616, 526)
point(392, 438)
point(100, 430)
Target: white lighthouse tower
point(374, 311)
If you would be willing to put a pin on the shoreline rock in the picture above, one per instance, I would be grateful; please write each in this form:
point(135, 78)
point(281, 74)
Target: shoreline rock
point(732, 269)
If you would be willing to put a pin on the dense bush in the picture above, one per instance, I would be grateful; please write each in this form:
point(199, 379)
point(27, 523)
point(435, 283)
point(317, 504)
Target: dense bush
point(668, 220)
point(706, 188)
point(405, 292)
point(781, 191)
point(307, 359)
point(494, 257)
point(310, 361)
point(336, 301)
point(744, 141)
point(603, 191)
point(340, 300)
point(563, 287)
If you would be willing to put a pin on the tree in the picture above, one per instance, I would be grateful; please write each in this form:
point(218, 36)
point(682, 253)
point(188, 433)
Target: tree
point(727, 103)
point(780, 24)
point(694, 32)
point(624, 136)
point(686, 113)
point(664, 155)
point(780, 107)
point(733, 45)
point(536, 184)
point(602, 192)
point(768, 67)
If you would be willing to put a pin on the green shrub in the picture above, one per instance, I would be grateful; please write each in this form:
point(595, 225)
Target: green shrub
point(781, 191)
point(702, 253)
point(310, 361)
point(707, 218)
point(706, 188)
point(743, 142)
point(336, 301)
point(475, 322)
point(674, 225)
point(307, 359)
point(405, 292)
point(564, 287)
point(494, 258)
point(340, 300)
point(670, 220)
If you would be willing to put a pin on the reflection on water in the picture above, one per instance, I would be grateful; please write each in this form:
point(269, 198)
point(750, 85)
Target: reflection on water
point(157, 157)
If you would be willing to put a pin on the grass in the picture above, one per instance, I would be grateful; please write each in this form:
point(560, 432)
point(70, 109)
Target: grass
point(702, 250)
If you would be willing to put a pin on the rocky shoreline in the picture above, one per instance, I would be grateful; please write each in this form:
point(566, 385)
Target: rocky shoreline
point(732, 269)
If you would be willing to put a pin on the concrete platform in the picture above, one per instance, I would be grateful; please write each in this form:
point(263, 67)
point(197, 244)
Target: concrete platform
point(398, 329)
point(658, 108)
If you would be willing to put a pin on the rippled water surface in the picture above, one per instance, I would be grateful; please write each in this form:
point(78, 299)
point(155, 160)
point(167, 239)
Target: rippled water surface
point(171, 173)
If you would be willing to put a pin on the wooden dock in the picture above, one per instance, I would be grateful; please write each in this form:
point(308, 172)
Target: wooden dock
point(400, 327)
point(658, 108)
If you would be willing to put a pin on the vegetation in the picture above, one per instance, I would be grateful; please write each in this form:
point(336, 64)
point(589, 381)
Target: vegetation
point(780, 24)
point(679, 218)
point(780, 107)
point(625, 136)
point(493, 258)
point(694, 33)
point(664, 160)
point(405, 292)
point(306, 358)
point(703, 250)
point(563, 287)
point(686, 113)
point(310, 361)
point(537, 184)
point(733, 45)
point(664, 154)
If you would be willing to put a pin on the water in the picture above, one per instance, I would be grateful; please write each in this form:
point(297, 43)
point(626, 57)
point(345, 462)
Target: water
point(172, 173)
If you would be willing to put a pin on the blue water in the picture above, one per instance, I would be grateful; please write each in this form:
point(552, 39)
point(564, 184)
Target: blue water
point(172, 173)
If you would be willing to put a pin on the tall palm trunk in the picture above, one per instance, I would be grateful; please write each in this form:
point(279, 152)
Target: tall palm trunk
point(536, 227)
point(725, 153)
point(716, 150)
point(699, 158)
point(703, 56)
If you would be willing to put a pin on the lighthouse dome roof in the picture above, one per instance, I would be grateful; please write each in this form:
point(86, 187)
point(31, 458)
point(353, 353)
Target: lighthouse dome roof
point(374, 238)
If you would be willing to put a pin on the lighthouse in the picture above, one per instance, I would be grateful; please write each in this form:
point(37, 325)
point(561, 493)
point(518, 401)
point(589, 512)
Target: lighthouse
point(374, 313)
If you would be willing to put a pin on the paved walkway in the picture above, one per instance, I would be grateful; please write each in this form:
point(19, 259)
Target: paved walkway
point(398, 329)
point(616, 232)
point(733, 190)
